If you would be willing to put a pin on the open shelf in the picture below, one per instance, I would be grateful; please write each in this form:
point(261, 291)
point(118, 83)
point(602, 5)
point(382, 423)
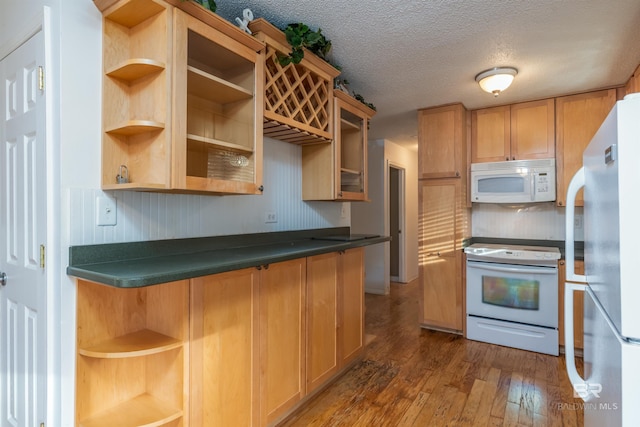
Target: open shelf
point(350, 171)
point(141, 411)
point(140, 343)
point(135, 68)
point(135, 127)
point(214, 88)
point(135, 12)
point(346, 125)
point(219, 143)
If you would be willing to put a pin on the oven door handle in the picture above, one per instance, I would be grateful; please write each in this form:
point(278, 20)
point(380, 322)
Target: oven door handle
point(519, 269)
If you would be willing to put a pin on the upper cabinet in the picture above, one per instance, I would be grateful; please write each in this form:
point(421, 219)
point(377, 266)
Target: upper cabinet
point(338, 171)
point(217, 111)
point(442, 135)
point(298, 98)
point(633, 84)
point(182, 102)
point(513, 132)
point(578, 119)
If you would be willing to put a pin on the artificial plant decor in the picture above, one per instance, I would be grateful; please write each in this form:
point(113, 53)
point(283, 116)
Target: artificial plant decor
point(300, 36)
point(207, 4)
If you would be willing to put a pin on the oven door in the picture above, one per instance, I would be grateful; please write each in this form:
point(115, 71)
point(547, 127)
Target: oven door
point(517, 293)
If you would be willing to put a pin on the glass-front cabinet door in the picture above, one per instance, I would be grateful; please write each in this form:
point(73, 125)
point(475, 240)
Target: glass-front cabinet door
point(218, 102)
point(351, 125)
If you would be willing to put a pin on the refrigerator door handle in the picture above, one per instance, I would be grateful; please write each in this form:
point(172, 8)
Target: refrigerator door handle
point(577, 381)
point(577, 182)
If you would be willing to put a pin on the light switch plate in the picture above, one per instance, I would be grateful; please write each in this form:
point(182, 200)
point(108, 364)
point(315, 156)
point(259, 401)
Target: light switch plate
point(106, 211)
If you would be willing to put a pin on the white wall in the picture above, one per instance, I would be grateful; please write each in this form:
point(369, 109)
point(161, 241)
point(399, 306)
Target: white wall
point(373, 217)
point(73, 151)
point(154, 216)
point(538, 221)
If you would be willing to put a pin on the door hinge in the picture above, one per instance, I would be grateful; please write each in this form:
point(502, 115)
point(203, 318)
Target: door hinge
point(42, 256)
point(40, 77)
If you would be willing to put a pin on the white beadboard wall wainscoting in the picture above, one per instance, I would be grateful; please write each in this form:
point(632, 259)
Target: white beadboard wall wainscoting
point(157, 216)
point(543, 221)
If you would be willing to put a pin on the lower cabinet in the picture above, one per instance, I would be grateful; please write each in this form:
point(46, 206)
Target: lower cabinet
point(282, 338)
point(242, 348)
point(224, 349)
point(132, 361)
point(578, 307)
point(440, 254)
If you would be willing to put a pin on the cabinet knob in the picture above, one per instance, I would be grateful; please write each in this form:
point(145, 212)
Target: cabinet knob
point(507, 158)
point(513, 158)
point(457, 173)
point(261, 188)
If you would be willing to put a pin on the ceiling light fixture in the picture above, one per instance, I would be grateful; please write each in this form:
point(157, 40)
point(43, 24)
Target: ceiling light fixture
point(496, 79)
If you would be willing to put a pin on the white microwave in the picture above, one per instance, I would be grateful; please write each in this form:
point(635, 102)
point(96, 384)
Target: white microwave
point(517, 181)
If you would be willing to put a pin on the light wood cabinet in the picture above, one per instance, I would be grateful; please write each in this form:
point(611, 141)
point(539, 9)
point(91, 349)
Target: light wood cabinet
point(442, 132)
point(216, 111)
point(182, 103)
point(136, 91)
point(298, 98)
point(224, 349)
point(351, 306)
point(338, 171)
point(245, 347)
point(633, 84)
point(322, 318)
point(137, 339)
point(440, 253)
point(578, 117)
point(282, 338)
point(513, 132)
point(578, 306)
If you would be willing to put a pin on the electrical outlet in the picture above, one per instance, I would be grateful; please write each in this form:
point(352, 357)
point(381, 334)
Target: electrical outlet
point(106, 211)
point(270, 217)
point(577, 221)
point(343, 211)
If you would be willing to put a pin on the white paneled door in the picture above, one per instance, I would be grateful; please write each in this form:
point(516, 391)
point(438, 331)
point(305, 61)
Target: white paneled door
point(22, 237)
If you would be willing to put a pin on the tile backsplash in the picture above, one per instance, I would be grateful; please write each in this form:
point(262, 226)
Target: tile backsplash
point(543, 221)
point(156, 216)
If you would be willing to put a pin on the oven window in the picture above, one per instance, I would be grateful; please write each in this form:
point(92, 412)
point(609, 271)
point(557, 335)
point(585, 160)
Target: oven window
point(503, 184)
point(513, 293)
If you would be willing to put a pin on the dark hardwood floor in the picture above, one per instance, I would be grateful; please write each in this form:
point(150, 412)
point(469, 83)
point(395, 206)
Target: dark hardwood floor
point(415, 377)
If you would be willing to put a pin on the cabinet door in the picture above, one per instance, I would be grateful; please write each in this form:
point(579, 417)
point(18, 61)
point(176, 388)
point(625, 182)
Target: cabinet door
point(282, 338)
point(578, 306)
point(441, 283)
point(491, 134)
point(322, 318)
point(351, 150)
point(217, 106)
point(533, 130)
point(578, 117)
point(441, 136)
point(351, 305)
point(224, 349)
point(633, 84)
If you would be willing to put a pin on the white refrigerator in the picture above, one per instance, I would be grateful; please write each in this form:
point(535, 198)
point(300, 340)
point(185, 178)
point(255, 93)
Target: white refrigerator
point(611, 179)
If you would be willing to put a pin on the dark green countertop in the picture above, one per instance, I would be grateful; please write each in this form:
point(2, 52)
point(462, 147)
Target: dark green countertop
point(138, 264)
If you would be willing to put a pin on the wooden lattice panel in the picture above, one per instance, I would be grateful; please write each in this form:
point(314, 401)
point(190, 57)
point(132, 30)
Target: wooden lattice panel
point(298, 98)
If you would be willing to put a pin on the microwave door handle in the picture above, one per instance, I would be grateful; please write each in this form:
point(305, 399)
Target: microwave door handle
point(534, 179)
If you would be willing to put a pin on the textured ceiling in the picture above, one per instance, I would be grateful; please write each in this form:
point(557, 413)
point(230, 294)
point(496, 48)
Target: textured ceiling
point(404, 55)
